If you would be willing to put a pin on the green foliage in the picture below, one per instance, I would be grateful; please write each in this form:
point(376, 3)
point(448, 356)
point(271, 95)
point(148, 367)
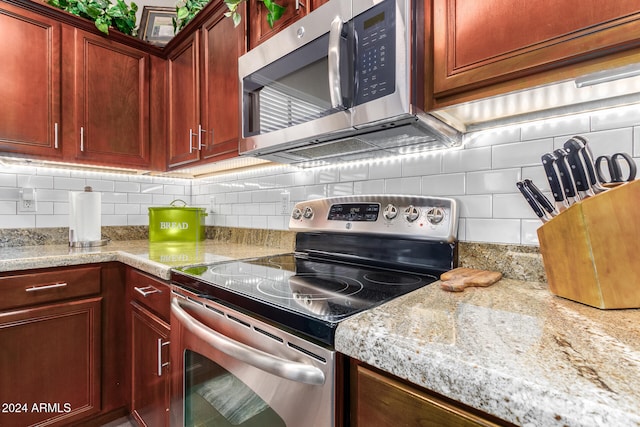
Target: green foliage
point(274, 11)
point(103, 13)
point(186, 10)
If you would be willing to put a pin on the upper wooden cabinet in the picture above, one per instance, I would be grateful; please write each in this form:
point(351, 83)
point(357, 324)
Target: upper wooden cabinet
point(478, 44)
point(110, 84)
point(203, 94)
point(30, 111)
point(259, 29)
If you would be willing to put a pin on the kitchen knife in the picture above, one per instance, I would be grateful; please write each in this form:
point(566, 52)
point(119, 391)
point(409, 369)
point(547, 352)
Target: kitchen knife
point(578, 172)
point(534, 205)
point(539, 197)
point(569, 186)
point(588, 161)
point(555, 183)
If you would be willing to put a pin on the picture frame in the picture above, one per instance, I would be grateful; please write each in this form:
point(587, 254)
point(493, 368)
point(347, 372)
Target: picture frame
point(156, 25)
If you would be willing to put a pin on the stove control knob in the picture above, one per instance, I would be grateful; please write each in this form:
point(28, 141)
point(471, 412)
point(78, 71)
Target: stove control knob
point(308, 212)
point(435, 215)
point(411, 213)
point(390, 212)
point(296, 214)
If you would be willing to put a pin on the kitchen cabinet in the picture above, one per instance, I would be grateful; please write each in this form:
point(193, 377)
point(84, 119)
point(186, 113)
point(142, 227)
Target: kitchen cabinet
point(110, 86)
point(382, 400)
point(203, 95)
point(30, 111)
point(259, 29)
point(149, 348)
point(50, 335)
point(485, 48)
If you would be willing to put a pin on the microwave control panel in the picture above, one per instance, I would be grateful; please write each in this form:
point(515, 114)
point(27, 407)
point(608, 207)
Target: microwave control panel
point(375, 32)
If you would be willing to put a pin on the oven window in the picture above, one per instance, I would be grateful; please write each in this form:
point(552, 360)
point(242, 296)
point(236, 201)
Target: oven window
point(215, 398)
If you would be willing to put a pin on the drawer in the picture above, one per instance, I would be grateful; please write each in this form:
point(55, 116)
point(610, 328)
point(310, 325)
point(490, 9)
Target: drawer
point(28, 289)
point(149, 292)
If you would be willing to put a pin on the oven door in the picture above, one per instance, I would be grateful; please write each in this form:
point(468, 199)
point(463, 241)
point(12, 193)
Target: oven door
point(236, 371)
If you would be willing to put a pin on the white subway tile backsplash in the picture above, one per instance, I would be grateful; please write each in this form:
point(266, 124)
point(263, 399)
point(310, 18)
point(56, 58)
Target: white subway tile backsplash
point(511, 206)
point(369, 187)
point(611, 141)
point(63, 183)
point(126, 187)
point(507, 134)
point(493, 230)
point(466, 160)
point(18, 221)
point(618, 118)
point(34, 181)
point(46, 221)
point(561, 126)
point(100, 185)
point(520, 154)
point(495, 181)
point(9, 180)
point(8, 208)
point(423, 164)
point(447, 185)
point(340, 189)
point(529, 232)
point(475, 206)
point(409, 185)
point(385, 169)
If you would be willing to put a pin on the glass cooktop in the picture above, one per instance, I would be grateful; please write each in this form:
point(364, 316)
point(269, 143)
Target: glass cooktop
point(307, 295)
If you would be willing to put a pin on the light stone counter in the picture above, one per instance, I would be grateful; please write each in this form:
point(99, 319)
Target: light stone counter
point(512, 350)
point(153, 258)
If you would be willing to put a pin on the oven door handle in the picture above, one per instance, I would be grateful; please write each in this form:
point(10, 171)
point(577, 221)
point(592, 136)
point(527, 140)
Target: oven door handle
point(298, 372)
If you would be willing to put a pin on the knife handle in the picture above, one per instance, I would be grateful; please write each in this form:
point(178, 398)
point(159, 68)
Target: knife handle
point(578, 172)
point(529, 198)
point(539, 197)
point(589, 162)
point(565, 174)
point(555, 183)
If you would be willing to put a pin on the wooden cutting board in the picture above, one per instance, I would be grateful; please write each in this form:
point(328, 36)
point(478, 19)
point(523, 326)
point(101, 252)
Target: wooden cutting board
point(458, 279)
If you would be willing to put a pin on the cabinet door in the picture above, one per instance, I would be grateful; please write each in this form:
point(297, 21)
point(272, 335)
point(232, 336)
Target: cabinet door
point(50, 363)
point(382, 401)
point(30, 112)
point(184, 102)
point(478, 43)
point(222, 45)
point(259, 29)
point(149, 368)
point(112, 97)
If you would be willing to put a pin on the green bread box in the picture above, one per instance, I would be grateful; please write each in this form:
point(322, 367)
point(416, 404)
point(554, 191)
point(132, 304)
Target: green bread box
point(176, 223)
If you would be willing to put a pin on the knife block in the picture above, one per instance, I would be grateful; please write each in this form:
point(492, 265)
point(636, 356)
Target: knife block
point(591, 251)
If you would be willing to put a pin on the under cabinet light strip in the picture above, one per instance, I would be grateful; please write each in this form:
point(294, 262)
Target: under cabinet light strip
point(631, 70)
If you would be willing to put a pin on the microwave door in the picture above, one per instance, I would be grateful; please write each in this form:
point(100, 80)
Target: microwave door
point(302, 93)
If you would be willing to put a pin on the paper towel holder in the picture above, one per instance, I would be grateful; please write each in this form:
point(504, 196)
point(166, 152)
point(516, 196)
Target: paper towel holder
point(73, 243)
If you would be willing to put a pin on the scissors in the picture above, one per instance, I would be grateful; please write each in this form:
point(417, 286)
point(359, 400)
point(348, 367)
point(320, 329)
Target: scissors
point(614, 165)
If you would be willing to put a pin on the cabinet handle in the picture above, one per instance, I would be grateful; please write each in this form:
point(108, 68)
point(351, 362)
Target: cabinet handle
point(191, 147)
point(46, 287)
point(147, 290)
point(82, 139)
point(200, 144)
point(55, 136)
point(299, 4)
point(160, 364)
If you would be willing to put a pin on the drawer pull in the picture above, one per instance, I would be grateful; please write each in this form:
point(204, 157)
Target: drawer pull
point(160, 364)
point(46, 287)
point(147, 290)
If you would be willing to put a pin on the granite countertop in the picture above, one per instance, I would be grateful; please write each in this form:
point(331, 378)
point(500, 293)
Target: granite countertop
point(512, 349)
point(154, 258)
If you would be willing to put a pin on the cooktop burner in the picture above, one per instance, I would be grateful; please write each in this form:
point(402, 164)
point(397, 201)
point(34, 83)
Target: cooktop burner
point(304, 294)
point(352, 253)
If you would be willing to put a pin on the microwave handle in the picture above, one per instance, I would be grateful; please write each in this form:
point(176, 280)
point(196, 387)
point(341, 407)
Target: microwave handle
point(298, 372)
point(333, 57)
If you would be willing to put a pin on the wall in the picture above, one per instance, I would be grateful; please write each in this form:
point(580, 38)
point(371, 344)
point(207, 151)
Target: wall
point(481, 176)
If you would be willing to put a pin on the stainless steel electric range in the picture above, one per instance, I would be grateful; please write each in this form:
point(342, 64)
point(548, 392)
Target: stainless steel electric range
point(272, 320)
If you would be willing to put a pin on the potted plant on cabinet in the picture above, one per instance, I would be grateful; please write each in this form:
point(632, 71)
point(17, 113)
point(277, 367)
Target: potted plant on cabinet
point(103, 13)
point(188, 9)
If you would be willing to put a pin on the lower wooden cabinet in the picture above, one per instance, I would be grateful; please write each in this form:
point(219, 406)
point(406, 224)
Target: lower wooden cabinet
point(50, 360)
point(149, 349)
point(62, 346)
point(381, 400)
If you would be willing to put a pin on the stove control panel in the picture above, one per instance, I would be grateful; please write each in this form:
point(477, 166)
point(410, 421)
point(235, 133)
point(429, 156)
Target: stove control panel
point(414, 217)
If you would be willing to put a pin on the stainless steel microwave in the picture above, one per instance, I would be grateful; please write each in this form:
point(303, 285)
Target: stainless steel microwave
point(344, 82)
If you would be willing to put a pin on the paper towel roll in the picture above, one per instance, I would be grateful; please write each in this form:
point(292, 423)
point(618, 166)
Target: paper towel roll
point(84, 216)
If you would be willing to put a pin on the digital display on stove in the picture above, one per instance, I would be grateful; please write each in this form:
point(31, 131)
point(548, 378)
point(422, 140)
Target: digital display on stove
point(354, 212)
